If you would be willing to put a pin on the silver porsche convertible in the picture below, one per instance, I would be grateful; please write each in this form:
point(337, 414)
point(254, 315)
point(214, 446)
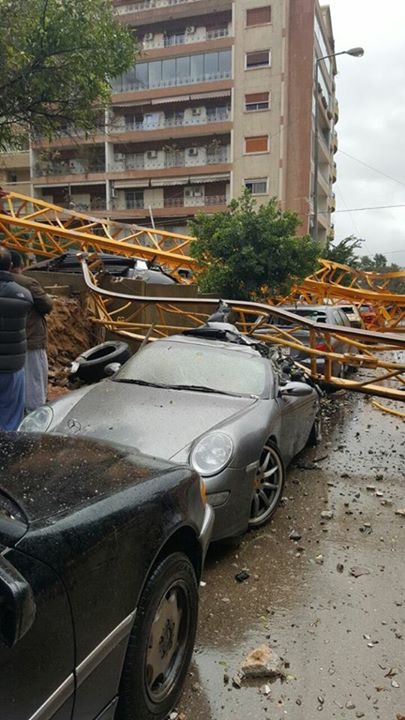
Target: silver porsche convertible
point(227, 404)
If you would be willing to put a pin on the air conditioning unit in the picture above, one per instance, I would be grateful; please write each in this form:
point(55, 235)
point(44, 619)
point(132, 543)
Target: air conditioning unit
point(119, 156)
point(198, 192)
point(152, 154)
point(196, 111)
point(190, 30)
point(193, 151)
point(148, 37)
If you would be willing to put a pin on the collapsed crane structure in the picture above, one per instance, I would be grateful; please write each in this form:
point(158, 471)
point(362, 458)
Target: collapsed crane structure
point(34, 226)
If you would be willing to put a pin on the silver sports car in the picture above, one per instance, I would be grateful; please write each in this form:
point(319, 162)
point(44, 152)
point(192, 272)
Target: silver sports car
point(221, 401)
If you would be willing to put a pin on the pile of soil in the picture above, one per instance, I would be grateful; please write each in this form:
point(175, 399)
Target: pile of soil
point(70, 332)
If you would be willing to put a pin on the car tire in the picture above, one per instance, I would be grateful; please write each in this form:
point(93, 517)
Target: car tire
point(269, 483)
point(167, 611)
point(89, 366)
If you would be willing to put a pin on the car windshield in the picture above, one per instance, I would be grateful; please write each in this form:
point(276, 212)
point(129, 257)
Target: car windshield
point(308, 313)
point(195, 366)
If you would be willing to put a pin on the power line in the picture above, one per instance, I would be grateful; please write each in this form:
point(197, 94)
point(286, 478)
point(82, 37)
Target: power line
point(359, 209)
point(370, 167)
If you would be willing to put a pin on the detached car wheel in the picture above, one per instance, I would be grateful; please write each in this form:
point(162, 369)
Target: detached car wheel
point(161, 642)
point(269, 483)
point(89, 366)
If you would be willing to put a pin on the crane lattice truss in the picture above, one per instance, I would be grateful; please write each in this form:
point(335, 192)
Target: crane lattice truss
point(34, 226)
point(31, 225)
point(336, 282)
point(143, 318)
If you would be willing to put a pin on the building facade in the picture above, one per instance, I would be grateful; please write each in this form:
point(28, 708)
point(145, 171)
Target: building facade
point(222, 97)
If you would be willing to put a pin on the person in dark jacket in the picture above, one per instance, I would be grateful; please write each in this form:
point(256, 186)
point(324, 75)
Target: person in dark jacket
point(36, 360)
point(15, 304)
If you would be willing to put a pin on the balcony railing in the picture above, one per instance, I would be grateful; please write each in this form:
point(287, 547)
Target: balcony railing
point(94, 204)
point(203, 119)
point(129, 85)
point(148, 5)
point(201, 34)
point(198, 201)
point(170, 160)
point(68, 168)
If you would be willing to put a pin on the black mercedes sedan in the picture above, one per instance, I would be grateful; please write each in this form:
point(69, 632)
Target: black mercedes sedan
point(101, 553)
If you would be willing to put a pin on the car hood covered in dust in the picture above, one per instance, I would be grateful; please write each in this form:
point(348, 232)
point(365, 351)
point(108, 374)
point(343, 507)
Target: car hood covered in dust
point(160, 421)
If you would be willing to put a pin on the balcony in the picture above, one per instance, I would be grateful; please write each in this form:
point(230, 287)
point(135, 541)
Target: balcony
point(198, 201)
point(68, 167)
point(133, 85)
point(191, 34)
point(167, 159)
point(121, 125)
point(148, 5)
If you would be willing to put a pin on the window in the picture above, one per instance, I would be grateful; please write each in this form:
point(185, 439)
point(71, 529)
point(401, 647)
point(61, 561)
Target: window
point(257, 144)
point(257, 101)
point(258, 16)
point(259, 58)
point(177, 71)
point(133, 199)
point(257, 186)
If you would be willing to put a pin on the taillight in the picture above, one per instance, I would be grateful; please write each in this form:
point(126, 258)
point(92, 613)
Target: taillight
point(321, 346)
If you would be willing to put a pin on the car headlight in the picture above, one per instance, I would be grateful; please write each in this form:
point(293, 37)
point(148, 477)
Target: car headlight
point(211, 454)
point(37, 421)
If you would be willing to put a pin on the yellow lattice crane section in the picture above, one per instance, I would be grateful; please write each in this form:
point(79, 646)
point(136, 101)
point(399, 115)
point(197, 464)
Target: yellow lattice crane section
point(336, 282)
point(150, 318)
point(33, 226)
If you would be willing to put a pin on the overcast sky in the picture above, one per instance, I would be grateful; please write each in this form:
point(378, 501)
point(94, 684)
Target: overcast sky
point(371, 127)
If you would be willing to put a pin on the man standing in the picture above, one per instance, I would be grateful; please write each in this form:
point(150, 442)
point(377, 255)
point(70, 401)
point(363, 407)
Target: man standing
point(36, 361)
point(15, 303)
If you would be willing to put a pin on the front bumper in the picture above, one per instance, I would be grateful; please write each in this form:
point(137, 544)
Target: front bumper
point(232, 517)
point(204, 537)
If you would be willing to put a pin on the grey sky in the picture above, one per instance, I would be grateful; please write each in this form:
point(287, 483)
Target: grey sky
point(371, 127)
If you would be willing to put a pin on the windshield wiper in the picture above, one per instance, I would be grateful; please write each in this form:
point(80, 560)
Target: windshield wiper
point(201, 388)
point(141, 382)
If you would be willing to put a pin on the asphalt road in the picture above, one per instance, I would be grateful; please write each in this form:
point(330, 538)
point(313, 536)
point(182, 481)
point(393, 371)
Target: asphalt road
point(332, 603)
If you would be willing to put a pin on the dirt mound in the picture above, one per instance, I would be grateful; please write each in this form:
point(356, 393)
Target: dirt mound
point(70, 333)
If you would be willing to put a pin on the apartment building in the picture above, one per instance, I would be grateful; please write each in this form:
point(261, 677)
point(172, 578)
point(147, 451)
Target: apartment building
point(222, 97)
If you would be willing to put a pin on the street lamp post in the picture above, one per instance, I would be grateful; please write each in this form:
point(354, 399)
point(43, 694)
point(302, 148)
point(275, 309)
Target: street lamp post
point(354, 52)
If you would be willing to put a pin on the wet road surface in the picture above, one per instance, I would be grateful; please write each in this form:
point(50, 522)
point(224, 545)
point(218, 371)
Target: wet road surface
point(342, 637)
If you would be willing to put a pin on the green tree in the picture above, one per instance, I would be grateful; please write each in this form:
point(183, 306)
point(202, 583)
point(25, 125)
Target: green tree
point(344, 251)
point(250, 251)
point(57, 58)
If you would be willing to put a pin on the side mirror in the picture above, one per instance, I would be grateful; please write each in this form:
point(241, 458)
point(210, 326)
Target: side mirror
point(294, 389)
point(17, 605)
point(111, 368)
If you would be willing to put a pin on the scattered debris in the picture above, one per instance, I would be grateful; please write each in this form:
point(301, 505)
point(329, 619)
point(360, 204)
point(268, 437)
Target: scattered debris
point(295, 535)
point(358, 571)
point(327, 514)
point(263, 662)
point(400, 511)
point(240, 577)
